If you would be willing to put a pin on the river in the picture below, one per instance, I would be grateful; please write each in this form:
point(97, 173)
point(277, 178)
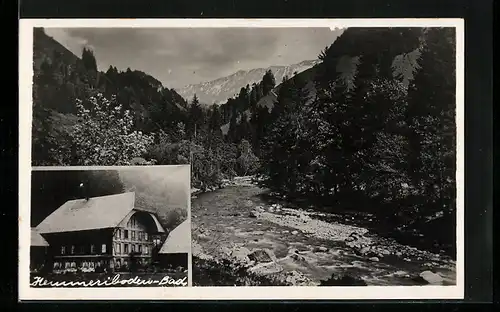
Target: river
point(236, 223)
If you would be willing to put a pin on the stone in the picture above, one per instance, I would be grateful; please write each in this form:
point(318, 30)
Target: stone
point(266, 268)
point(432, 278)
point(252, 214)
point(385, 252)
point(241, 254)
point(400, 273)
point(295, 232)
point(298, 258)
point(320, 249)
point(292, 251)
point(364, 250)
point(398, 254)
point(262, 255)
point(407, 260)
point(374, 259)
point(225, 250)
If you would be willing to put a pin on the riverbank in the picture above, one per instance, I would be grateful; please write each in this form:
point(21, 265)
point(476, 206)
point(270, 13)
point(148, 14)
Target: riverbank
point(236, 227)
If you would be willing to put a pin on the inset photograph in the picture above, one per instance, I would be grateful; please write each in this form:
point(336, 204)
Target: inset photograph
point(124, 227)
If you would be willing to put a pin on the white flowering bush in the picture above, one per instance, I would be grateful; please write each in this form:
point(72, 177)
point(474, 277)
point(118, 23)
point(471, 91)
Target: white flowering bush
point(104, 135)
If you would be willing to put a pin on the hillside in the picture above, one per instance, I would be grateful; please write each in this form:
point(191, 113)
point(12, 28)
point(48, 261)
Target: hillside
point(348, 61)
point(219, 90)
point(45, 47)
point(61, 78)
point(270, 99)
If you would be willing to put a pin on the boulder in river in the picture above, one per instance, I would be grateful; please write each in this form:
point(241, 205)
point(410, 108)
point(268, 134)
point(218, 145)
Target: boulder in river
point(364, 250)
point(262, 255)
point(298, 258)
point(384, 252)
point(266, 268)
point(241, 254)
point(374, 259)
point(252, 214)
point(320, 249)
point(400, 273)
point(431, 278)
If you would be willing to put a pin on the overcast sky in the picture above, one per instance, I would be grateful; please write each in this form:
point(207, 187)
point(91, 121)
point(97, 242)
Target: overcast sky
point(168, 186)
point(181, 56)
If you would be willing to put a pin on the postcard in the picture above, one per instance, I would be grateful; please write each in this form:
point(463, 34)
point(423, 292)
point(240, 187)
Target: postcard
point(196, 159)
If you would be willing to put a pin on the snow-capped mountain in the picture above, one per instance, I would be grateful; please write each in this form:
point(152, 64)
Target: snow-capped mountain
point(219, 90)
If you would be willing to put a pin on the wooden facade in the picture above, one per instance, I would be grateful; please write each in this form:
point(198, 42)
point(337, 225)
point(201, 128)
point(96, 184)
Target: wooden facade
point(113, 249)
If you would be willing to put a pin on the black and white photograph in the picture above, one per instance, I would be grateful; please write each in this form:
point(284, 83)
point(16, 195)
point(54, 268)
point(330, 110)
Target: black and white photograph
point(320, 152)
point(124, 227)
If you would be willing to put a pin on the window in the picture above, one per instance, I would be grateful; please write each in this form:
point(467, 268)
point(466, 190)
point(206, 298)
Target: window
point(126, 234)
point(133, 234)
point(103, 248)
point(145, 236)
point(119, 248)
point(133, 248)
point(146, 249)
point(140, 248)
point(92, 249)
point(72, 249)
point(63, 250)
point(125, 248)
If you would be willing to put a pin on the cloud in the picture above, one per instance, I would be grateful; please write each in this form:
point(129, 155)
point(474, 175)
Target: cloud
point(180, 56)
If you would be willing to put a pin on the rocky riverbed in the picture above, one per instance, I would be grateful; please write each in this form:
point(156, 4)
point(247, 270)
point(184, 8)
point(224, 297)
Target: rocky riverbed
point(236, 226)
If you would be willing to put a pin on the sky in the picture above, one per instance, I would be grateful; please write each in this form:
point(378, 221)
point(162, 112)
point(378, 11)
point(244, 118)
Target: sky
point(167, 185)
point(182, 56)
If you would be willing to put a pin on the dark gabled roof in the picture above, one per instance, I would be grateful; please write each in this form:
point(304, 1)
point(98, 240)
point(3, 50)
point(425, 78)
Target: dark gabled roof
point(95, 213)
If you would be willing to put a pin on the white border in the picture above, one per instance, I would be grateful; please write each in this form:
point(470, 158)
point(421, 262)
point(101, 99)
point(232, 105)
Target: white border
point(221, 293)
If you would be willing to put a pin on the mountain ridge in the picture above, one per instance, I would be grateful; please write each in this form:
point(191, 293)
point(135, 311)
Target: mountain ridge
point(220, 89)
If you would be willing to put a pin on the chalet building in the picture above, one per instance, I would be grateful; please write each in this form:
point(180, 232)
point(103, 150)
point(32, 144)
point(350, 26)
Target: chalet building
point(174, 251)
point(100, 234)
point(38, 251)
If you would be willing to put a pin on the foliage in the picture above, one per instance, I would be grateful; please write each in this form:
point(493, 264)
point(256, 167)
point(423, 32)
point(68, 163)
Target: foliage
point(104, 134)
point(378, 132)
point(248, 163)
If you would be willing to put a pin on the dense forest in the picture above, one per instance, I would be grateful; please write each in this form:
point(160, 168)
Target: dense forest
point(370, 128)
